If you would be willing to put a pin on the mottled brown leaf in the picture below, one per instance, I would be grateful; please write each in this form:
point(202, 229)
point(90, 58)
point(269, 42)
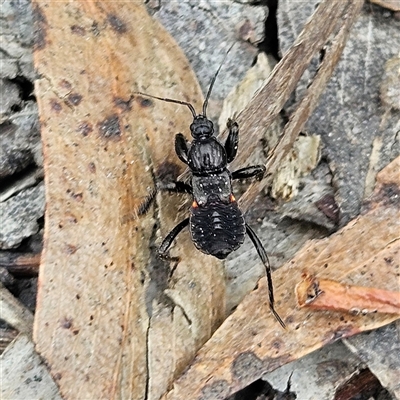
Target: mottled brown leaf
point(102, 325)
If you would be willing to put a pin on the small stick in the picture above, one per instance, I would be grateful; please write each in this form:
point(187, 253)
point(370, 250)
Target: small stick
point(21, 265)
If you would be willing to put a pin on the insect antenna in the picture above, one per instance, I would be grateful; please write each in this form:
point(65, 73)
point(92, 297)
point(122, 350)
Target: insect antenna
point(213, 81)
point(191, 108)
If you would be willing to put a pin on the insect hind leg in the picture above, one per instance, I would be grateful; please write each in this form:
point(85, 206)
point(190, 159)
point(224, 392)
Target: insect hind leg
point(166, 243)
point(264, 258)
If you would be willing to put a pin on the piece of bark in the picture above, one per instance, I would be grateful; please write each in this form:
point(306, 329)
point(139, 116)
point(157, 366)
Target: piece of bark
point(205, 30)
point(305, 152)
point(20, 215)
point(325, 294)
point(7, 335)
point(28, 180)
point(390, 85)
point(363, 384)
point(109, 322)
point(250, 342)
point(318, 374)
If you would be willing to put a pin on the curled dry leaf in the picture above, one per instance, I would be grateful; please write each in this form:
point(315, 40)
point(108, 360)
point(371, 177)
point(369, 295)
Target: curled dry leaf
point(109, 323)
point(250, 342)
point(393, 5)
point(325, 294)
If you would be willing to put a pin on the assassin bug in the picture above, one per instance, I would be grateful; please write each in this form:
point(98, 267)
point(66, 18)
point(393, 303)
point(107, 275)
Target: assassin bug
point(216, 223)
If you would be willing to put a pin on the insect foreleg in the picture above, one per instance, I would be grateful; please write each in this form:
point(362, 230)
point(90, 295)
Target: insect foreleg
point(249, 172)
point(264, 258)
point(181, 147)
point(231, 144)
point(175, 187)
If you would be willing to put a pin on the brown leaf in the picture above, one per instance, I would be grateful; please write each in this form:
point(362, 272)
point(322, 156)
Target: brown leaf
point(103, 326)
point(250, 342)
point(325, 294)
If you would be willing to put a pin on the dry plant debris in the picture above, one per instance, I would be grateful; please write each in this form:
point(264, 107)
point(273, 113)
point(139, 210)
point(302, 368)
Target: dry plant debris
point(250, 342)
point(98, 143)
point(393, 5)
point(325, 25)
point(24, 374)
point(325, 294)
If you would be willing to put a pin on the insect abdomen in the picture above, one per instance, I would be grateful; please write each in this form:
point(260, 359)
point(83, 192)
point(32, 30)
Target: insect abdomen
point(217, 228)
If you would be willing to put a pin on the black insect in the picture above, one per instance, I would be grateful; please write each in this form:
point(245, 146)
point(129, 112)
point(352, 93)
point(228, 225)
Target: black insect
point(216, 223)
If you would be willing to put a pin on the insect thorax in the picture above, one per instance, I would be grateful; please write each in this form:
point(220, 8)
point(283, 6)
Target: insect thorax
point(207, 156)
point(212, 188)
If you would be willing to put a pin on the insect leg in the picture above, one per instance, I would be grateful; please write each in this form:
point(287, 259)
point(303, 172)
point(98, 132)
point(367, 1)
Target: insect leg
point(144, 207)
point(264, 258)
point(174, 187)
point(249, 172)
point(166, 243)
point(181, 147)
point(231, 143)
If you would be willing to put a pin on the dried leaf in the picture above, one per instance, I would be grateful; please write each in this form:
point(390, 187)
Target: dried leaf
point(379, 350)
point(104, 322)
point(393, 5)
point(325, 294)
point(327, 20)
point(250, 342)
point(300, 160)
point(14, 313)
